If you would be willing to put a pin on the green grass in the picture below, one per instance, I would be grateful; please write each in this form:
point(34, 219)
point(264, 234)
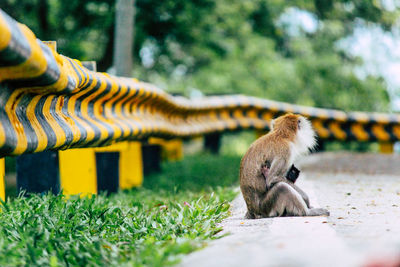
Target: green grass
point(196, 173)
point(173, 214)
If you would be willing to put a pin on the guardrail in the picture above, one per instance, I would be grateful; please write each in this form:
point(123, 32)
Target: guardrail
point(51, 102)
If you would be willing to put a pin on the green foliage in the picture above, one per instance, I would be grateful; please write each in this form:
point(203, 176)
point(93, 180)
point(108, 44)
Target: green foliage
point(247, 52)
point(81, 28)
point(206, 171)
point(236, 144)
point(151, 226)
point(224, 46)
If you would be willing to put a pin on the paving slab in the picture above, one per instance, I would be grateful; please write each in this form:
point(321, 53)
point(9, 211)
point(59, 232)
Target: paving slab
point(364, 224)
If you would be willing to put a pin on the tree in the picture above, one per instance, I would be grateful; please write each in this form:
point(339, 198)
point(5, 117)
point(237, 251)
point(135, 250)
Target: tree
point(123, 40)
point(226, 46)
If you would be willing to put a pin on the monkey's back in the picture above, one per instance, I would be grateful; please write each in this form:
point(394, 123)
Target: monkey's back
point(252, 181)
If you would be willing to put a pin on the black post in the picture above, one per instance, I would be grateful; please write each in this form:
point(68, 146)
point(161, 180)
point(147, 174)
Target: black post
point(107, 167)
point(212, 142)
point(38, 173)
point(151, 154)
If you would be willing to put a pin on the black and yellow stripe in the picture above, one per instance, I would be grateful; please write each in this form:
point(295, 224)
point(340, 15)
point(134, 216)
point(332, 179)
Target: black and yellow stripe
point(49, 101)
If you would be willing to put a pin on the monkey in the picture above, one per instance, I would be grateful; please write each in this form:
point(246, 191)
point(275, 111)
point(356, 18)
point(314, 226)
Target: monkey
point(263, 169)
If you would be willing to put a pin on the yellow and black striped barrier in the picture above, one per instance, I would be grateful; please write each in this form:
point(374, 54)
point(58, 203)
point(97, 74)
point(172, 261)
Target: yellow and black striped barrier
point(50, 102)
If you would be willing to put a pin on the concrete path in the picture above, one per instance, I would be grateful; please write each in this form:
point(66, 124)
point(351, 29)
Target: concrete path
point(364, 226)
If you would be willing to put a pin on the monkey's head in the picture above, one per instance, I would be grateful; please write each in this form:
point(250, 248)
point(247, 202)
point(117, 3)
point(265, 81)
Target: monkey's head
point(297, 129)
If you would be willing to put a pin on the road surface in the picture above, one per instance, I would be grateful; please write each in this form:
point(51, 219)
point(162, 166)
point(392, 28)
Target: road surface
point(362, 192)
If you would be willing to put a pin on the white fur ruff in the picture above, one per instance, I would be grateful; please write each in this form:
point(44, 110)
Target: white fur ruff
point(304, 141)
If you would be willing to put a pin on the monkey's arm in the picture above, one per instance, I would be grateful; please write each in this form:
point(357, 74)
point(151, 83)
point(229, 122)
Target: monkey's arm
point(277, 171)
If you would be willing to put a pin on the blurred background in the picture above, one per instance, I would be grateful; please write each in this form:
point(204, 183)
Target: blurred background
point(333, 54)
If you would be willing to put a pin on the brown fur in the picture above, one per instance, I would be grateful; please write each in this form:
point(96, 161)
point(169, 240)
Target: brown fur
point(272, 196)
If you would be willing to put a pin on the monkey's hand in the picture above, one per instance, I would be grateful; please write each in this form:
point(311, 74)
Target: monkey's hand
point(275, 180)
point(293, 174)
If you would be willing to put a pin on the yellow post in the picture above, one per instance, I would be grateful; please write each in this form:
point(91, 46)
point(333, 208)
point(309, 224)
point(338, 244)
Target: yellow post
point(131, 166)
point(78, 171)
point(386, 147)
point(2, 184)
point(171, 149)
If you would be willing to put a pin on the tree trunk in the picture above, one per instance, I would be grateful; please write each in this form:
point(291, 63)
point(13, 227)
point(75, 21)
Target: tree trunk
point(123, 38)
point(106, 60)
